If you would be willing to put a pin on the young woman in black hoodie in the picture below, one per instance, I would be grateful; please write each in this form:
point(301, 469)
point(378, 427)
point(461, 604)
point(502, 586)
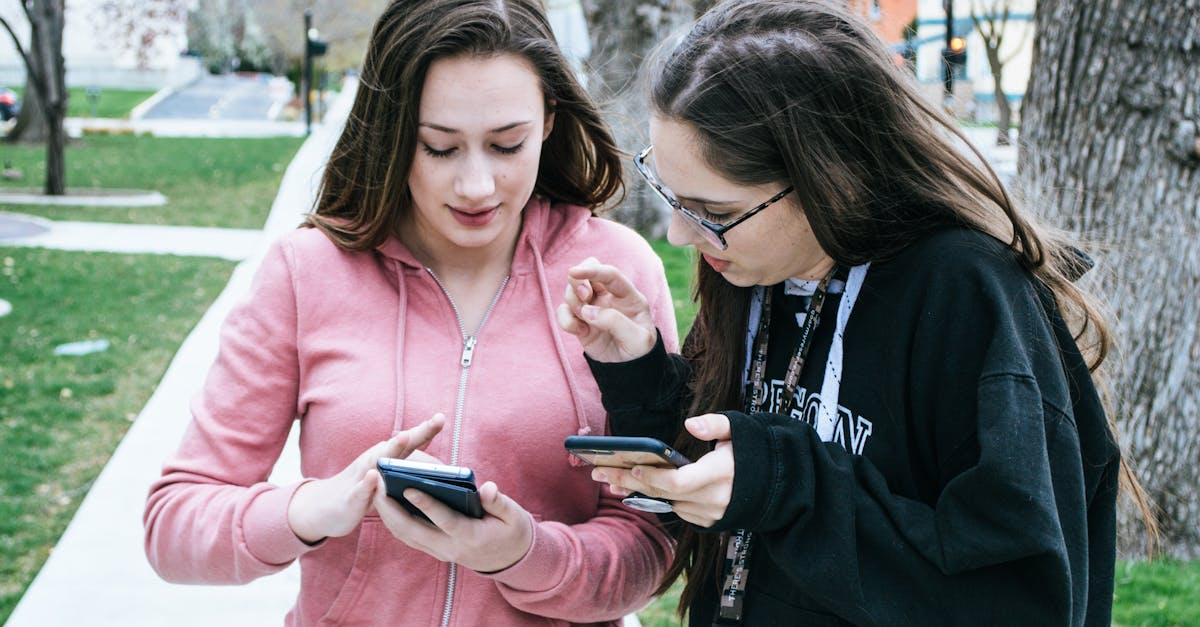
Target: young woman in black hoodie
point(888, 391)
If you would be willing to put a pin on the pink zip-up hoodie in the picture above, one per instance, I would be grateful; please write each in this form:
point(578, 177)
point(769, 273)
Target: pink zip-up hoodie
point(357, 346)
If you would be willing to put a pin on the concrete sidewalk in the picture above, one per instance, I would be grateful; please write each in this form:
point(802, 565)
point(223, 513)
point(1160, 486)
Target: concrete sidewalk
point(232, 244)
point(98, 574)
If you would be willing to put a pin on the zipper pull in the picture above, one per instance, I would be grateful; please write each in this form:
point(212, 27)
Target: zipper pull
point(468, 351)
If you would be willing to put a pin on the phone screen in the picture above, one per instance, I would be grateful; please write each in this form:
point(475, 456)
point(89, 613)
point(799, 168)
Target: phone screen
point(624, 452)
point(622, 459)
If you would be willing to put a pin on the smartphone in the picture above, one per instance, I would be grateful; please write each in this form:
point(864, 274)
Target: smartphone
point(623, 452)
point(627, 452)
point(452, 485)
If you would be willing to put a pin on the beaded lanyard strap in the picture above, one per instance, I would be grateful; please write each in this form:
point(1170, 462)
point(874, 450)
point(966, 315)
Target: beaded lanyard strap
point(737, 552)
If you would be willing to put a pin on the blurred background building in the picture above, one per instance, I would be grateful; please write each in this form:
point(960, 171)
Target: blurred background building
point(110, 43)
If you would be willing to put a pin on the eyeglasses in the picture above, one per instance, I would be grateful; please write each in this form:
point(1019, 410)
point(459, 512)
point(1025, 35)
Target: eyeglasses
point(712, 232)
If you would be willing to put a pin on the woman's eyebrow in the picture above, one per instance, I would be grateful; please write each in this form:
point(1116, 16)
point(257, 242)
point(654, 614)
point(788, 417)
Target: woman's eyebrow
point(706, 202)
point(453, 131)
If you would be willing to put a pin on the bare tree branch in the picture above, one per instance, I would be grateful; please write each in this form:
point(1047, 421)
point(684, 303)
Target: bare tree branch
point(17, 44)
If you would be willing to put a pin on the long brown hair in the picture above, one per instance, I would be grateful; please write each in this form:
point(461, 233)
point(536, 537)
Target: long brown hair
point(364, 191)
point(798, 92)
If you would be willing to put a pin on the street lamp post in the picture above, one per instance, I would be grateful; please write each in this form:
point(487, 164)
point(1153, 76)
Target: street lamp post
point(947, 68)
point(308, 72)
point(313, 47)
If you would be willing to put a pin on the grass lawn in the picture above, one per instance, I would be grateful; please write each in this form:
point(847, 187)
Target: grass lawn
point(207, 181)
point(109, 103)
point(1163, 593)
point(680, 264)
point(61, 417)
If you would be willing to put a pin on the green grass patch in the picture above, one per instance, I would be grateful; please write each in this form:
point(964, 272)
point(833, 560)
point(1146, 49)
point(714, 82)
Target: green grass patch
point(207, 181)
point(661, 611)
point(1162, 593)
point(61, 417)
point(102, 103)
point(680, 264)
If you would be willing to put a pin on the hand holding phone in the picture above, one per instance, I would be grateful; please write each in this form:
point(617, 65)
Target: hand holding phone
point(452, 485)
point(627, 452)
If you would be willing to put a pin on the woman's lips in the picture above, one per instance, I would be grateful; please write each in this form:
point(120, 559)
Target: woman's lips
point(720, 265)
point(474, 217)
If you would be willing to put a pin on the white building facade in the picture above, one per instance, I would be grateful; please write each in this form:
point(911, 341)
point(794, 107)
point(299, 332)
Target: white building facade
point(100, 52)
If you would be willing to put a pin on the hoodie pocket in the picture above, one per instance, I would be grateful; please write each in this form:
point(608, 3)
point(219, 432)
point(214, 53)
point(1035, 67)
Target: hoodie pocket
point(356, 582)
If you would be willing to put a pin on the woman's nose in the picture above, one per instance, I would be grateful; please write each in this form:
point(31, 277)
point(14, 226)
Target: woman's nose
point(679, 233)
point(476, 181)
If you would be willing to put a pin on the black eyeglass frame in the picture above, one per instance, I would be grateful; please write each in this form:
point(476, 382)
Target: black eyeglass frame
point(704, 227)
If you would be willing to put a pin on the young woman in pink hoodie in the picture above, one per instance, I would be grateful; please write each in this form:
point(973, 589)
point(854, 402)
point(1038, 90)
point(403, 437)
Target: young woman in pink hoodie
point(463, 187)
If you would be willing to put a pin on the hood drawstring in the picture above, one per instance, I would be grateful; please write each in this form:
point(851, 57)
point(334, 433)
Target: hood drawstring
point(563, 360)
point(401, 311)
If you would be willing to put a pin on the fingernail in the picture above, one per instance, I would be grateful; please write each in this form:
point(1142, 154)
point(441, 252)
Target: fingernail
point(599, 476)
point(590, 311)
point(636, 472)
point(697, 426)
point(413, 496)
point(582, 290)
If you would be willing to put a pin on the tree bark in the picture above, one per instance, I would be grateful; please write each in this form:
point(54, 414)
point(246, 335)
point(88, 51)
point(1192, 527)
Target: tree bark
point(991, 22)
point(1109, 150)
point(624, 35)
point(46, 90)
point(30, 127)
point(54, 94)
point(1003, 109)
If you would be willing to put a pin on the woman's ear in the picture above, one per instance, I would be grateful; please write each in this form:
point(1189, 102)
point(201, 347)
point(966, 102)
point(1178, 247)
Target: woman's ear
point(549, 124)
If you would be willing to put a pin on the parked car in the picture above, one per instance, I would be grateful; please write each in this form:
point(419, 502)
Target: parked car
point(10, 104)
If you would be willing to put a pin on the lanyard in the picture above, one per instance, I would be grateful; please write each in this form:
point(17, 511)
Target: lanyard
point(737, 552)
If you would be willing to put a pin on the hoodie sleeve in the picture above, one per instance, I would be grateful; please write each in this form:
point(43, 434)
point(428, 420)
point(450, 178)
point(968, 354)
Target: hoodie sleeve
point(1007, 533)
point(599, 570)
point(644, 396)
point(212, 517)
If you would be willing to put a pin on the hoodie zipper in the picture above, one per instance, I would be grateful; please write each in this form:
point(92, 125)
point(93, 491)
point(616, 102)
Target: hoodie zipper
point(468, 354)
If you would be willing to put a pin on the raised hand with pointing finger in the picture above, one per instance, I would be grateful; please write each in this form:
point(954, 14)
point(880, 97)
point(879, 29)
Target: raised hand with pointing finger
point(606, 312)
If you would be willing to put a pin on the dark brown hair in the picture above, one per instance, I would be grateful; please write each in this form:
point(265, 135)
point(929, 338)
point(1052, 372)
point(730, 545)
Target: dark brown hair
point(364, 192)
point(796, 92)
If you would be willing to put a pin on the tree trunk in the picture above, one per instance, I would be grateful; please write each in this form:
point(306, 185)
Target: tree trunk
point(1109, 150)
point(1003, 109)
point(701, 6)
point(31, 125)
point(51, 51)
point(623, 34)
point(45, 104)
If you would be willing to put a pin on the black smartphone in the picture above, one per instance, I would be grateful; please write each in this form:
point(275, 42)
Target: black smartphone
point(623, 452)
point(452, 485)
point(627, 452)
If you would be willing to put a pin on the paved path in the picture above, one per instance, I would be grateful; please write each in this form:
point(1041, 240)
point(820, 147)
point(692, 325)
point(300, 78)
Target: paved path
point(233, 244)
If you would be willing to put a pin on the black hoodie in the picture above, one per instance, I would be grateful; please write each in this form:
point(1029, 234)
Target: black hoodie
point(972, 478)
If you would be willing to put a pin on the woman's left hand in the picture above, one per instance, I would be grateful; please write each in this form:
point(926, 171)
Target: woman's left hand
point(489, 544)
point(700, 491)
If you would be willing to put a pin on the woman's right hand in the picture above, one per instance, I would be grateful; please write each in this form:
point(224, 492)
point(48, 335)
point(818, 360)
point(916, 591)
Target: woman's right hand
point(699, 492)
point(607, 313)
point(333, 507)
